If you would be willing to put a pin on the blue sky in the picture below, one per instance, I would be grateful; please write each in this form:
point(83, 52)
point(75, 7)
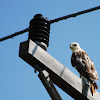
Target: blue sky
point(17, 79)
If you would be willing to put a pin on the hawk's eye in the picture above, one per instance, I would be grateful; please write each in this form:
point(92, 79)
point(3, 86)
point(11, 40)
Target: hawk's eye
point(74, 45)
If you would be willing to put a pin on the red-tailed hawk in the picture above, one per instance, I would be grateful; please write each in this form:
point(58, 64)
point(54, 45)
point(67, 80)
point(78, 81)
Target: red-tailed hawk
point(84, 65)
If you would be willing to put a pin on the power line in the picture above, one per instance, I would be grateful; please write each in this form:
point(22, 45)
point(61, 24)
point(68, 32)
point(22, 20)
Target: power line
point(75, 14)
point(14, 34)
point(52, 21)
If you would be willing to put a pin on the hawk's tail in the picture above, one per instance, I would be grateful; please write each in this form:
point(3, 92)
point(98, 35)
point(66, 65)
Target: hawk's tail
point(93, 86)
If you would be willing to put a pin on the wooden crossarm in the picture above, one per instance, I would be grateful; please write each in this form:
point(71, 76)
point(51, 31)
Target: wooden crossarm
point(31, 53)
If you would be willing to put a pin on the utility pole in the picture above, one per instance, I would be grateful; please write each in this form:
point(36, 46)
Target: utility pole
point(50, 70)
point(39, 33)
point(60, 75)
point(33, 51)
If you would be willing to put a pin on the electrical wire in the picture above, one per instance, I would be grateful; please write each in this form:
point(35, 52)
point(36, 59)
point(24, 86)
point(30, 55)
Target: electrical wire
point(52, 21)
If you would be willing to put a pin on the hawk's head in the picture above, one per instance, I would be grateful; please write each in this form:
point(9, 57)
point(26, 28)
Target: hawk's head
point(75, 47)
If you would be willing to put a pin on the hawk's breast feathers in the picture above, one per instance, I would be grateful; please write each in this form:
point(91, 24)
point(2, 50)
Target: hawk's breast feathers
point(84, 65)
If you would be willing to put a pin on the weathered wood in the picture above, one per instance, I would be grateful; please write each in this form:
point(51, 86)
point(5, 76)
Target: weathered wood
point(60, 75)
point(48, 84)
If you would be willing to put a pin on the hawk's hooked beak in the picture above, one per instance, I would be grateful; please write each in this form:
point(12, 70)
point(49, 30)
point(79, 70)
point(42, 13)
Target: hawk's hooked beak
point(71, 46)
